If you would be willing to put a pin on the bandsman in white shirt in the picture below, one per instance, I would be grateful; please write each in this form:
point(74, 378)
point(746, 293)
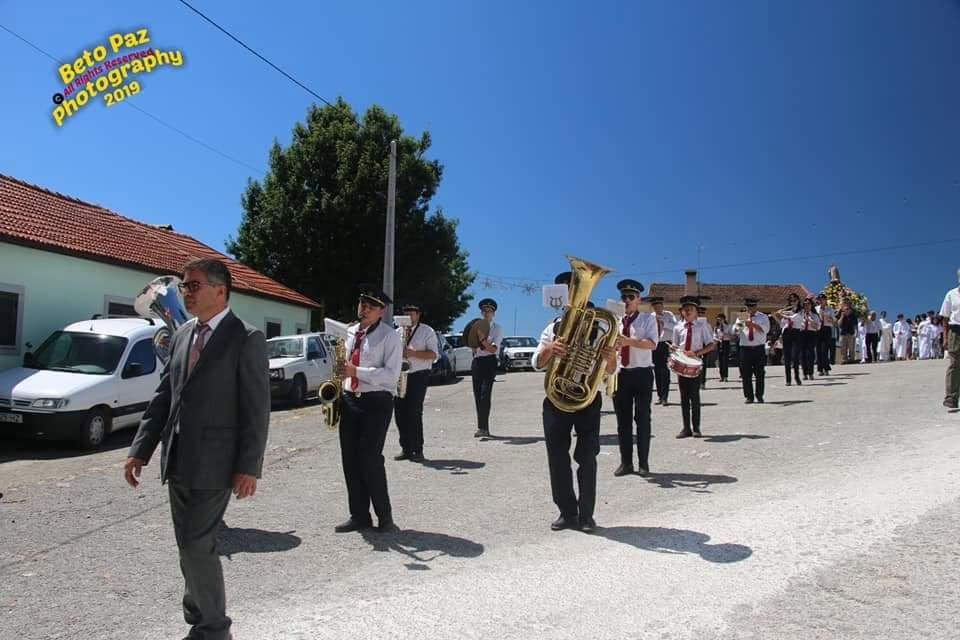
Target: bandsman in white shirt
point(420, 350)
point(483, 371)
point(722, 335)
point(632, 401)
point(666, 321)
point(374, 354)
point(807, 326)
point(575, 513)
point(826, 343)
point(901, 337)
point(693, 337)
point(752, 328)
point(702, 319)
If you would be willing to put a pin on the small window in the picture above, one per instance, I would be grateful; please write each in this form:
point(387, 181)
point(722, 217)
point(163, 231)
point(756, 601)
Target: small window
point(273, 329)
point(314, 346)
point(143, 353)
point(11, 318)
point(120, 309)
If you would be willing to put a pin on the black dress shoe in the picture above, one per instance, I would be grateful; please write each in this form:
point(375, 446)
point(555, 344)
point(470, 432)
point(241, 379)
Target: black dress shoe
point(643, 471)
point(799, 383)
point(402, 456)
point(352, 525)
point(387, 525)
point(697, 434)
point(623, 470)
point(748, 401)
point(949, 405)
point(564, 522)
point(588, 525)
point(481, 433)
point(416, 457)
point(760, 400)
point(686, 433)
point(788, 383)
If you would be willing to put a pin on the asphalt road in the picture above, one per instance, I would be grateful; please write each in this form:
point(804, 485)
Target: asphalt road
point(831, 511)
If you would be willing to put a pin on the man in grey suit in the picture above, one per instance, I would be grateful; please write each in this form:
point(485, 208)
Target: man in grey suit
point(211, 413)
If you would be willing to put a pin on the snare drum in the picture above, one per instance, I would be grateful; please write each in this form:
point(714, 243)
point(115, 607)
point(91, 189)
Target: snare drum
point(684, 365)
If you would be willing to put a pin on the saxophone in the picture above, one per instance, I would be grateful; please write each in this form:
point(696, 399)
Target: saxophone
point(330, 392)
point(572, 381)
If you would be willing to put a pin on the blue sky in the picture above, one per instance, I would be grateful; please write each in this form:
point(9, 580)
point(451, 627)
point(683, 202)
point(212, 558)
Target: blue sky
point(628, 133)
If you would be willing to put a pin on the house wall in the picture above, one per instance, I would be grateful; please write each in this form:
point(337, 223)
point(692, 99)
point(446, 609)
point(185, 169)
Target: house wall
point(60, 289)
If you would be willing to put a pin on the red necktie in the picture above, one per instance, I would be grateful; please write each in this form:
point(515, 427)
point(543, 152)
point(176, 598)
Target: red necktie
point(355, 358)
point(750, 329)
point(625, 351)
point(689, 342)
point(199, 341)
point(806, 322)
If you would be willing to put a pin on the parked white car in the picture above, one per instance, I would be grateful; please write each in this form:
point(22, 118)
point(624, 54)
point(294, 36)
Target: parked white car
point(460, 355)
point(516, 352)
point(84, 381)
point(298, 366)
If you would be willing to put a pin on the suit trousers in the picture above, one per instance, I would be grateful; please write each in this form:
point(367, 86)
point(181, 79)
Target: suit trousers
point(952, 378)
point(556, 432)
point(872, 342)
point(808, 351)
point(483, 371)
point(197, 514)
point(408, 412)
point(723, 358)
point(753, 362)
point(363, 430)
point(824, 347)
point(689, 402)
point(632, 404)
point(848, 345)
point(792, 351)
point(661, 371)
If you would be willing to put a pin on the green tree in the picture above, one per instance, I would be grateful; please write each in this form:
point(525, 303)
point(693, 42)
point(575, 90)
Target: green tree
point(316, 222)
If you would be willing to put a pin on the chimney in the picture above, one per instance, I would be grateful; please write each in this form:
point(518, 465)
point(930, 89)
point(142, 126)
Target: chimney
point(690, 286)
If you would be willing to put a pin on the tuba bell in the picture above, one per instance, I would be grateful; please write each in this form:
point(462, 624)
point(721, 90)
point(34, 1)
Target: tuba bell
point(572, 381)
point(161, 299)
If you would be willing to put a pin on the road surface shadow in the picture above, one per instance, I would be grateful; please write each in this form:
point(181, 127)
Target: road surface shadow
point(440, 382)
point(422, 546)
point(231, 540)
point(676, 542)
point(787, 403)
point(687, 480)
point(514, 439)
point(734, 437)
point(455, 467)
point(27, 449)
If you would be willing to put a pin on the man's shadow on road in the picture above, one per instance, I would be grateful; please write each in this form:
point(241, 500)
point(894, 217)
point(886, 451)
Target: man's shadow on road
point(231, 540)
point(513, 439)
point(696, 481)
point(422, 546)
point(676, 542)
point(455, 467)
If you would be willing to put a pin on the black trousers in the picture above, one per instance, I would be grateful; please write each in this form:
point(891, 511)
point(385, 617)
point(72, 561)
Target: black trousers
point(661, 371)
point(632, 404)
point(690, 402)
point(483, 371)
point(197, 514)
point(808, 351)
point(363, 430)
point(753, 361)
point(873, 341)
point(825, 349)
point(556, 432)
point(723, 358)
point(408, 412)
point(791, 353)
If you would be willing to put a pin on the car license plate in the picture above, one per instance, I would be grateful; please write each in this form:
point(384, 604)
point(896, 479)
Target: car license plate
point(11, 417)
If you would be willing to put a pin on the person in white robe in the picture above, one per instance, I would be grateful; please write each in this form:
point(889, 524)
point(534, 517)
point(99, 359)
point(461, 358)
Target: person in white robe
point(886, 337)
point(901, 337)
point(862, 340)
point(925, 333)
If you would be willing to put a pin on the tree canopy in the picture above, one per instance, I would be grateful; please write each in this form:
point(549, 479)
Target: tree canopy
point(316, 222)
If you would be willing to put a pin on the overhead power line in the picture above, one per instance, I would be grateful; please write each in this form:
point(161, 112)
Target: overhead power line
point(251, 50)
point(144, 111)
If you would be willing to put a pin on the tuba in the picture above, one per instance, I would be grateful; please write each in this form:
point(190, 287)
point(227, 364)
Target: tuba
point(330, 392)
point(161, 299)
point(572, 381)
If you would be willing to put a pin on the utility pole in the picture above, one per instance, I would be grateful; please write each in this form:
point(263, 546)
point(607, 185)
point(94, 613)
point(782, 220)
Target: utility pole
point(388, 247)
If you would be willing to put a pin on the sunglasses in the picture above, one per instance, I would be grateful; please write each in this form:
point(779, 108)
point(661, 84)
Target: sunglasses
point(193, 286)
point(627, 297)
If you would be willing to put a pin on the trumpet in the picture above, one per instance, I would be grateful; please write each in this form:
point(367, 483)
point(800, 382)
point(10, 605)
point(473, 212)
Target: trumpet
point(404, 322)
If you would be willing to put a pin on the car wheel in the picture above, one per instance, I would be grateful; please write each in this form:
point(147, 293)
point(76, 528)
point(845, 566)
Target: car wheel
point(299, 391)
point(95, 427)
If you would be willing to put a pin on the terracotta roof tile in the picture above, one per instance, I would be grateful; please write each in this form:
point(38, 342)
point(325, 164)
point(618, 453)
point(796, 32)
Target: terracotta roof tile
point(732, 294)
point(41, 218)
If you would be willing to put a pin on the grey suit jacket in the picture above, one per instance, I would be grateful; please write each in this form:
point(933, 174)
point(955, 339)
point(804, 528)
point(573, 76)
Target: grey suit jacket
point(223, 407)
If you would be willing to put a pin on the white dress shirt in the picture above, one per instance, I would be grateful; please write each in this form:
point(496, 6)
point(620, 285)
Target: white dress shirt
point(496, 335)
point(381, 353)
point(547, 335)
point(811, 322)
point(666, 323)
point(422, 338)
point(643, 327)
point(723, 332)
point(951, 306)
point(827, 315)
point(700, 332)
point(759, 335)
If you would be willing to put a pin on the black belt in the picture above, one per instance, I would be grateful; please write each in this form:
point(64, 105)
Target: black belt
point(367, 394)
point(632, 369)
point(954, 327)
point(752, 346)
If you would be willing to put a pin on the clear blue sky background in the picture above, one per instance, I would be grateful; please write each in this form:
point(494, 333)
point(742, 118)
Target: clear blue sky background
point(628, 133)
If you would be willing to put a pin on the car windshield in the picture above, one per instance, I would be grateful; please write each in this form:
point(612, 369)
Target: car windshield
point(455, 341)
point(79, 353)
point(519, 342)
point(285, 348)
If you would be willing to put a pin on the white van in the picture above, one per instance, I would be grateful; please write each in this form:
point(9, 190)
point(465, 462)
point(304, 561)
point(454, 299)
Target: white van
point(83, 382)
